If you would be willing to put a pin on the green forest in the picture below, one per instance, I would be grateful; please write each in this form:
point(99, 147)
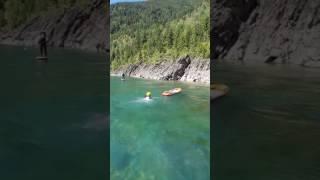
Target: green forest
point(15, 12)
point(154, 31)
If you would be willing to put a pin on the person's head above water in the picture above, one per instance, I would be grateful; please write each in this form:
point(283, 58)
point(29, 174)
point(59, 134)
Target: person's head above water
point(43, 34)
point(148, 94)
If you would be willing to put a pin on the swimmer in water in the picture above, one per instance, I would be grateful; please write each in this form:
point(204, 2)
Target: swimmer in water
point(148, 95)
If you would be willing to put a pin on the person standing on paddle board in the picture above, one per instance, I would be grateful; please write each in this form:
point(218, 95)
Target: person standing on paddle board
point(98, 47)
point(43, 44)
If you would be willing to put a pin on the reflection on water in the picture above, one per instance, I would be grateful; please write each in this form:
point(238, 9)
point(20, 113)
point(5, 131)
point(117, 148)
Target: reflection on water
point(268, 126)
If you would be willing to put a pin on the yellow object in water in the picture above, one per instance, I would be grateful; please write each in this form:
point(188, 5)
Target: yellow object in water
point(148, 94)
point(218, 90)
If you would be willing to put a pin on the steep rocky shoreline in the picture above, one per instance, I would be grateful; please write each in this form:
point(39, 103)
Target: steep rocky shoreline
point(262, 31)
point(183, 69)
point(87, 27)
point(81, 28)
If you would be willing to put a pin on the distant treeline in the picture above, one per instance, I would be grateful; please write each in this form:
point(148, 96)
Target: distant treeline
point(15, 12)
point(153, 31)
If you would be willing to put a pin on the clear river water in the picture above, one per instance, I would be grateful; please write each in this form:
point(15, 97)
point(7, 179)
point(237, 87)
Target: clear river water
point(53, 115)
point(166, 138)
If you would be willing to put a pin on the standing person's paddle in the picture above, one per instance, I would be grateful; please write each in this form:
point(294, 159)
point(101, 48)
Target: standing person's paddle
point(43, 46)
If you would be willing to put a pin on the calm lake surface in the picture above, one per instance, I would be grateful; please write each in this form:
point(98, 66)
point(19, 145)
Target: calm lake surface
point(53, 120)
point(166, 138)
point(268, 127)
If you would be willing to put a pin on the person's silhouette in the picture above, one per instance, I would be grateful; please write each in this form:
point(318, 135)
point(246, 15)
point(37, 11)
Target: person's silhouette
point(43, 44)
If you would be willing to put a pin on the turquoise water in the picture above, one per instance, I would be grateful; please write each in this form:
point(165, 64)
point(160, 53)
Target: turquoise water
point(53, 116)
point(268, 126)
point(121, 1)
point(166, 138)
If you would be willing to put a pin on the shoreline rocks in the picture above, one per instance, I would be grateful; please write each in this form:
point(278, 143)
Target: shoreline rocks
point(183, 69)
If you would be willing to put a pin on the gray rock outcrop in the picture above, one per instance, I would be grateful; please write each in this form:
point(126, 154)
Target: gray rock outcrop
point(81, 28)
point(183, 69)
point(264, 31)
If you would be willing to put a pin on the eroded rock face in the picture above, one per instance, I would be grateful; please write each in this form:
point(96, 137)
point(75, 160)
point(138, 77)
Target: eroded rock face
point(183, 69)
point(226, 19)
point(197, 71)
point(264, 31)
point(74, 28)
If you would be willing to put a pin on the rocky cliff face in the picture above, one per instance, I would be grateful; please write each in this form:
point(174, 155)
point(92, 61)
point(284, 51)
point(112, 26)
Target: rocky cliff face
point(183, 69)
point(264, 31)
point(73, 28)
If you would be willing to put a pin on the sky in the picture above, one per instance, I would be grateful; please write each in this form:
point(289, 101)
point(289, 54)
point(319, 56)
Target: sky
point(116, 1)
